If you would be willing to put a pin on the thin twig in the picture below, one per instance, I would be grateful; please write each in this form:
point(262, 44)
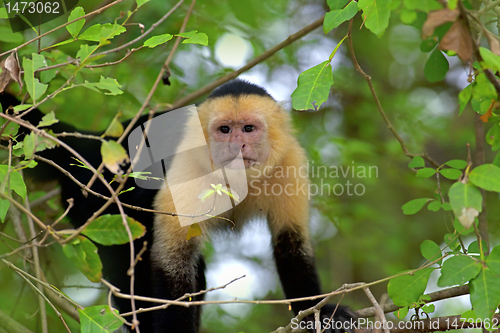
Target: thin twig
point(379, 105)
point(38, 273)
point(46, 197)
point(157, 23)
point(380, 312)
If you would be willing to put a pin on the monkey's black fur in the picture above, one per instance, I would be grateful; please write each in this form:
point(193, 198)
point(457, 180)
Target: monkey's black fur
point(238, 88)
point(297, 271)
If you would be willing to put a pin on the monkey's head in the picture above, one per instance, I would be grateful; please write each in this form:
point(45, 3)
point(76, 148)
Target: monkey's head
point(242, 117)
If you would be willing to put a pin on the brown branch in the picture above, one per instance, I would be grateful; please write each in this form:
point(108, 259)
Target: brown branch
point(379, 105)
point(447, 323)
point(435, 296)
point(208, 88)
point(480, 159)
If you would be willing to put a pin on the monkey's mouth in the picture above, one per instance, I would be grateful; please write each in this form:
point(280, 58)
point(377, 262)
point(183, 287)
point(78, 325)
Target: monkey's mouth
point(247, 161)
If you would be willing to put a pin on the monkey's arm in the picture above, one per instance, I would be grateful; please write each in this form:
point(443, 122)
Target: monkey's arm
point(294, 257)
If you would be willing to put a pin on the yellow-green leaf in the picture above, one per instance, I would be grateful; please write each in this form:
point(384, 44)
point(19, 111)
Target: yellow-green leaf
point(83, 253)
point(193, 231)
point(113, 156)
point(109, 230)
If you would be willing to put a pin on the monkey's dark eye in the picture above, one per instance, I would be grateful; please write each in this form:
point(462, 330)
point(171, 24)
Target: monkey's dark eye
point(225, 129)
point(248, 128)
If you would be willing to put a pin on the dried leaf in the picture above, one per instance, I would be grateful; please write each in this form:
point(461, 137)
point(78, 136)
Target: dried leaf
point(494, 42)
point(488, 113)
point(10, 70)
point(458, 39)
point(437, 18)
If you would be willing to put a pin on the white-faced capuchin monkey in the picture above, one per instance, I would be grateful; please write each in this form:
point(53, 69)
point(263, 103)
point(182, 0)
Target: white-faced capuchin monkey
point(243, 126)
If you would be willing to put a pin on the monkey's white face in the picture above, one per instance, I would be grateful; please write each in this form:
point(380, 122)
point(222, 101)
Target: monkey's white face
point(246, 134)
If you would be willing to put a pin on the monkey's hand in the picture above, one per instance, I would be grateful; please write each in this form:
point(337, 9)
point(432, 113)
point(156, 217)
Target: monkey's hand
point(343, 320)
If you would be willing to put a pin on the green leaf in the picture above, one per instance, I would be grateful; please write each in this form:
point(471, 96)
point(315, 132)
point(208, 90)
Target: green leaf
point(376, 15)
point(33, 85)
point(458, 270)
point(3, 13)
point(48, 75)
point(99, 319)
point(22, 107)
point(337, 4)
point(83, 253)
point(452, 4)
point(469, 315)
point(490, 60)
point(16, 181)
point(493, 260)
point(313, 87)
point(434, 206)
point(29, 145)
point(4, 207)
point(48, 119)
point(426, 172)
point(109, 230)
point(487, 177)
point(446, 206)
point(430, 250)
point(194, 37)
point(436, 66)
point(85, 51)
point(474, 247)
point(429, 308)
point(407, 16)
point(108, 84)
point(496, 160)
point(64, 42)
point(157, 40)
point(457, 164)
point(451, 240)
point(11, 129)
point(115, 129)
point(493, 135)
point(113, 156)
point(107, 31)
point(451, 173)
point(428, 45)
point(7, 36)
point(141, 2)
point(401, 313)
point(417, 162)
point(483, 90)
point(74, 28)
point(406, 289)
point(485, 293)
point(414, 206)
point(463, 196)
point(336, 17)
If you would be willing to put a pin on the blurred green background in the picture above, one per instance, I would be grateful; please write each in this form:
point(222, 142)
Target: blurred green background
point(357, 237)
